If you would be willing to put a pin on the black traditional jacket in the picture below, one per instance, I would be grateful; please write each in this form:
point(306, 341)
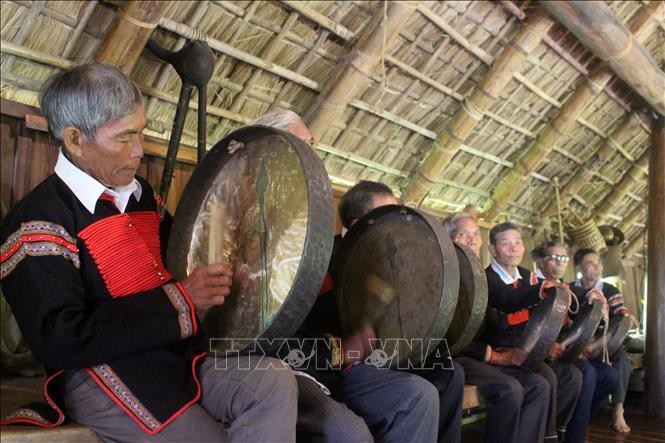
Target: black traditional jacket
point(90, 290)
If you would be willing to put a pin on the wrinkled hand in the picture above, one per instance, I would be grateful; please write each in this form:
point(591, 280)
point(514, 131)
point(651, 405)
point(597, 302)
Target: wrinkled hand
point(208, 286)
point(555, 351)
point(508, 356)
point(358, 346)
point(595, 294)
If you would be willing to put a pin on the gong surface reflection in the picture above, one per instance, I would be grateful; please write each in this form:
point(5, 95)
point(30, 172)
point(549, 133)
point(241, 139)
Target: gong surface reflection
point(263, 188)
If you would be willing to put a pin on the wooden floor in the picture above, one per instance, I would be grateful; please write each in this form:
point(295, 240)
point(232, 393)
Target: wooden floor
point(643, 429)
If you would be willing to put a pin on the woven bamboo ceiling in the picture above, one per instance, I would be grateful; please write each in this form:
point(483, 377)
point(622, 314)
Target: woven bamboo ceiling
point(458, 103)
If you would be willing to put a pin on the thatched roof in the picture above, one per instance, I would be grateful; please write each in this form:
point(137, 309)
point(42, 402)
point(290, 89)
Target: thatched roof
point(291, 54)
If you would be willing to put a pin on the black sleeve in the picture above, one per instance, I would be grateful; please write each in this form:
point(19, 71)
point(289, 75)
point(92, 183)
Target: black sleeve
point(508, 298)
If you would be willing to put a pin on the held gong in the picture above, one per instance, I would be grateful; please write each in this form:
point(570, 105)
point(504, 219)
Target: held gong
point(542, 329)
point(616, 334)
point(277, 233)
point(396, 271)
point(582, 330)
point(471, 301)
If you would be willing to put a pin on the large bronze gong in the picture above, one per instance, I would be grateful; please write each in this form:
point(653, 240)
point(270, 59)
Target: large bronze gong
point(277, 232)
point(396, 271)
point(544, 325)
point(581, 331)
point(615, 336)
point(471, 302)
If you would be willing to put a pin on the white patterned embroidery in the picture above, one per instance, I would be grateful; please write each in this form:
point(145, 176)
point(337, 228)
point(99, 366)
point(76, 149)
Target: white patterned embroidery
point(181, 305)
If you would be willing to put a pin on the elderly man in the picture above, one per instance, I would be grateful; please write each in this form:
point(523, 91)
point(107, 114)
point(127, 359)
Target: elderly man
point(355, 204)
point(320, 418)
point(82, 270)
point(598, 379)
point(587, 262)
point(517, 399)
point(512, 290)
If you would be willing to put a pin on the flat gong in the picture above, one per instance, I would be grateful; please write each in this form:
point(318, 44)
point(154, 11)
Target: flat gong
point(581, 331)
point(396, 271)
point(275, 230)
point(616, 334)
point(544, 325)
point(471, 301)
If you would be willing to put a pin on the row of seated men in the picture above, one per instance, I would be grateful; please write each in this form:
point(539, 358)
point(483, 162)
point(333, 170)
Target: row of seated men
point(83, 272)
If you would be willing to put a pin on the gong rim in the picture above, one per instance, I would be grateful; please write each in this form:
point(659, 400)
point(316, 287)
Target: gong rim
point(586, 322)
point(319, 235)
point(472, 275)
point(450, 275)
point(544, 325)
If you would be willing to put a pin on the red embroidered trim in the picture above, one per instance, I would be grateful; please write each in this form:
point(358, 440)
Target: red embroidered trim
point(154, 427)
point(533, 279)
point(32, 417)
point(108, 197)
point(519, 317)
point(126, 250)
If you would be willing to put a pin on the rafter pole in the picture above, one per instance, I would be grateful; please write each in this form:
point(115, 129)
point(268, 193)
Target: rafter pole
point(634, 175)
point(597, 28)
point(636, 245)
point(352, 74)
point(553, 134)
point(134, 24)
point(637, 215)
point(585, 172)
point(474, 106)
point(654, 388)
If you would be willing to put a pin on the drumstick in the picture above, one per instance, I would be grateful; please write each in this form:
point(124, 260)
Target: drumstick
point(378, 290)
point(216, 234)
point(569, 340)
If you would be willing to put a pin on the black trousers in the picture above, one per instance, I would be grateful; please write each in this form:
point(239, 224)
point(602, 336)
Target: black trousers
point(517, 401)
point(565, 383)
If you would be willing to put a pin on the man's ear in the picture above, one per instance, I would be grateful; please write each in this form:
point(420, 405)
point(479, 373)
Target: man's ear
point(492, 250)
point(72, 140)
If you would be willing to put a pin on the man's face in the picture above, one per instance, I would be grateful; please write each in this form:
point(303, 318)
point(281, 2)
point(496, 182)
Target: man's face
point(467, 233)
point(591, 267)
point(115, 155)
point(555, 262)
point(509, 248)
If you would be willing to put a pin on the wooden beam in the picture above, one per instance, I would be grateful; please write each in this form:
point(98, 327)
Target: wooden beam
point(597, 28)
point(134, 24)
point(321, 20)
point(472, 109)
point(549, 138)
point(637, 215)
point(351, 76)
point(585, 172)
point(633, 176)
point(654, 380)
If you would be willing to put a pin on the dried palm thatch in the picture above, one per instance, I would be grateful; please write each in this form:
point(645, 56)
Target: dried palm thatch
point(556, 111)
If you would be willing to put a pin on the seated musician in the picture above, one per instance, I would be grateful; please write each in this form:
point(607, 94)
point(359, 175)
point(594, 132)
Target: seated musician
point(396, 407)
point(598, 379)
point(82, 270)
point(512, 291)
point(517, 399)
point(353, 389)
point(587, 262)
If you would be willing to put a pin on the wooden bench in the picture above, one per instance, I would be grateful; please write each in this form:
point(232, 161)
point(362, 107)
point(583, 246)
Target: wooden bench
point(17, 391)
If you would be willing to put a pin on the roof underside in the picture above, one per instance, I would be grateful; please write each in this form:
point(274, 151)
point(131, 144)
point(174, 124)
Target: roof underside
point(277, 54)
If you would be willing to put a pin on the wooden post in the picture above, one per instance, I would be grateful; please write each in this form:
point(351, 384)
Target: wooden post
point(474, 106)
point(597, 28)
point(633, 176)
point(585, 171)
point(351, 77)
point(513, 183)
point(134, 24)
point(654, 388)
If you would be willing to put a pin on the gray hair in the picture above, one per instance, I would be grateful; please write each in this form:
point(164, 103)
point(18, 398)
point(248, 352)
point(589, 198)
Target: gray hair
point(88, 97)
point(279, 119)
point(450, 223)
